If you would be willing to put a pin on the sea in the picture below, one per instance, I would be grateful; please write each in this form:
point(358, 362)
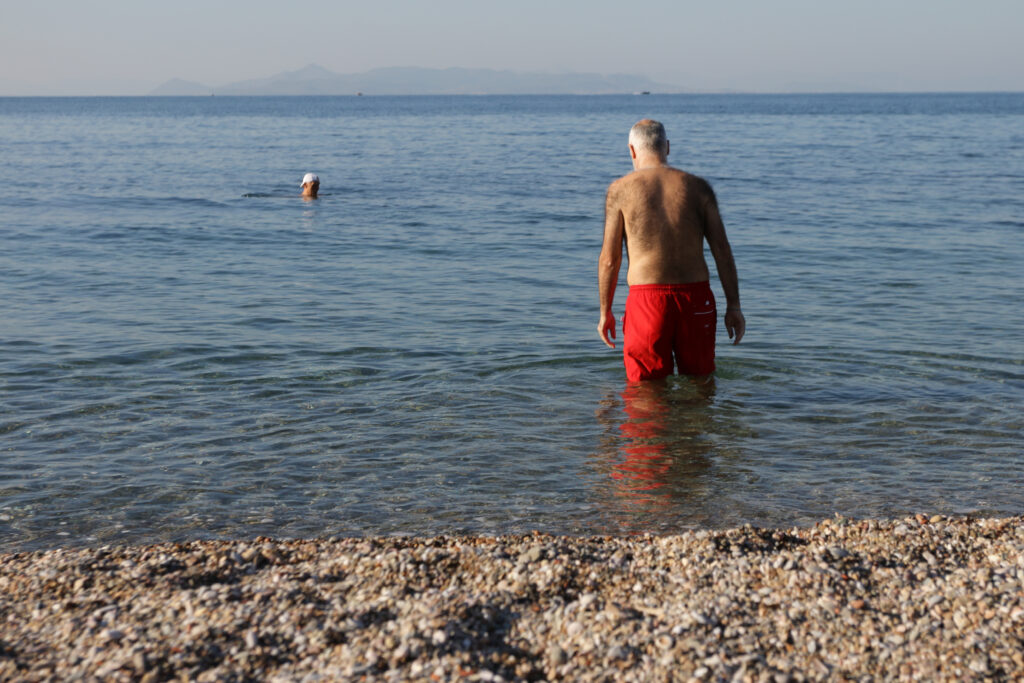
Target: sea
point(189, 350)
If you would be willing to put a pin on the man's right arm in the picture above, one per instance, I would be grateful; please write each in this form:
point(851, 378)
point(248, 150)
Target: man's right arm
point(714, 232)
point(609, 263)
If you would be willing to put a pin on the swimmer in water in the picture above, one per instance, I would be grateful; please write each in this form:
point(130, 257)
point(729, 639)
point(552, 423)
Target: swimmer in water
point(310, 186)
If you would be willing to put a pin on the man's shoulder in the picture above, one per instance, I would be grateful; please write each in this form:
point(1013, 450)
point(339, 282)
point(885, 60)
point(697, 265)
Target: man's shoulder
point(696, 179)
point(621, 182)
point(619, 187)
point(703, 187)
point(696, 185)
point(692, 178)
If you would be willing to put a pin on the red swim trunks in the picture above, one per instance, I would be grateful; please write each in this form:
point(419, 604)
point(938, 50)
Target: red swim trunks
point(664, 319)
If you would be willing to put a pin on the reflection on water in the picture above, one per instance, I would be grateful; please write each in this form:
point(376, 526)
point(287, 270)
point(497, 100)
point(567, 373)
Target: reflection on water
point(656, 452)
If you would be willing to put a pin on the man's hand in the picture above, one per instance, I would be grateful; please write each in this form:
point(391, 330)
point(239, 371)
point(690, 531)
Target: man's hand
point(607, 327)
point(735, 324)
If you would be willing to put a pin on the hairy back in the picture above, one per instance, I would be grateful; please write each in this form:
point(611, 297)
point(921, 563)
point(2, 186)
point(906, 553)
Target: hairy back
point(664, 212)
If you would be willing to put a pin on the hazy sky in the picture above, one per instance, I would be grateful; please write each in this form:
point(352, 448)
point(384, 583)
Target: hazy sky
point(130, 47)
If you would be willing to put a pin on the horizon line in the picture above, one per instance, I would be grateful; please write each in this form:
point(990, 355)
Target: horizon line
point(636, 94)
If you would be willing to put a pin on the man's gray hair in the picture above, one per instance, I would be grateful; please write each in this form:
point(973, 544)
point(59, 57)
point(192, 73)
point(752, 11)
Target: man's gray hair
point(648, 134)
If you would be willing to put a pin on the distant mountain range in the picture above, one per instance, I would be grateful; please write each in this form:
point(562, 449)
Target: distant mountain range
point(316, 80)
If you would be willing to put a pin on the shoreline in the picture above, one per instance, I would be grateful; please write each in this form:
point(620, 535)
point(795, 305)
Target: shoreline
point(936, 598)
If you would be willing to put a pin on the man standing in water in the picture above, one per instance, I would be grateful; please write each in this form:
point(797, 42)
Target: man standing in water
point(663, 215)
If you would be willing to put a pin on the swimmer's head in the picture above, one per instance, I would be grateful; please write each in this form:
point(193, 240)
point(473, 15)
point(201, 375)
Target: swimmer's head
point(310, 185)
point(648, 136)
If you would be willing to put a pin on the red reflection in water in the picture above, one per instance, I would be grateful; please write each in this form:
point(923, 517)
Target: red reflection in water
point(661, 447)
point(645, 458)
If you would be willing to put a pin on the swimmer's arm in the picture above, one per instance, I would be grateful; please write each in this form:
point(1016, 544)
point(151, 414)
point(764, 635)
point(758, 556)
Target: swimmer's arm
point(714, 232)
point(608, 265)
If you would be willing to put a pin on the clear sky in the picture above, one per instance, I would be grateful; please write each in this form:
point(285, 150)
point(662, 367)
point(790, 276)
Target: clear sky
point(81, 47)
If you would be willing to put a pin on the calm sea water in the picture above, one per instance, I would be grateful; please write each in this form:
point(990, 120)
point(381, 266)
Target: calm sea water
point(189, 350)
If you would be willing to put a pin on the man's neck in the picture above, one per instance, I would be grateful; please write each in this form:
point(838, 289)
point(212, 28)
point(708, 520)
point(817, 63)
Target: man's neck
point(646, 161)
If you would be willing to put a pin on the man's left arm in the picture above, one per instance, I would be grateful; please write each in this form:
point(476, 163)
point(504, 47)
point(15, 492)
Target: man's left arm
point(608, 265)
point(714, 232)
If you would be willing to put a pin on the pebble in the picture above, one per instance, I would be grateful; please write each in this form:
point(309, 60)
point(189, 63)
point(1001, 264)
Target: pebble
point(618, 652)
point(838, 553)
point(557, 656)
point(924, 597)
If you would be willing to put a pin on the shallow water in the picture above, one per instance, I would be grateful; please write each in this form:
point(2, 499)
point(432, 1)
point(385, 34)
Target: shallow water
point(189, 350)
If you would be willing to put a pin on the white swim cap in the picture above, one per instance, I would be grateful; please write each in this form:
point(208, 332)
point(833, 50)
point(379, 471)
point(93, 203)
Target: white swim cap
point(310, 178)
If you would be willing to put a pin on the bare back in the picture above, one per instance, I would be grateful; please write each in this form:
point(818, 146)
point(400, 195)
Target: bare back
point(664, 214)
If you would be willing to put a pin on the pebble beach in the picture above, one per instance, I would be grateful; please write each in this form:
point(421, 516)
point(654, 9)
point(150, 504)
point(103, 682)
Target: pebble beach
point(921, 598)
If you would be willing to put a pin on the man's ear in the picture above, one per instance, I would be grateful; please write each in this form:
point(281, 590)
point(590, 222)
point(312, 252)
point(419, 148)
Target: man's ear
point(632, 152)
